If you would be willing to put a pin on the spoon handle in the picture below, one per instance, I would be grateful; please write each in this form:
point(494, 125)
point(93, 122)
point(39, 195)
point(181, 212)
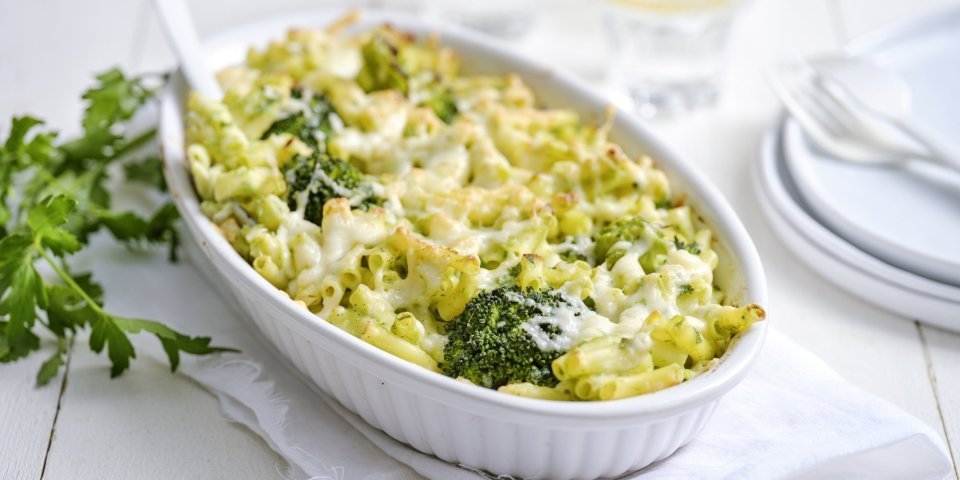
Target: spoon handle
point(177, 24)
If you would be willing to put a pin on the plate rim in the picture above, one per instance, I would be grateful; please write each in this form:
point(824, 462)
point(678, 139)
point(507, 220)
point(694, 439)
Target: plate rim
point(921, 263)
point(781, 208)
point(914, 261)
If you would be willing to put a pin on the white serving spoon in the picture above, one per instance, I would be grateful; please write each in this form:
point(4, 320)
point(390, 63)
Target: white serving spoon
point(182, 36)
point(885, 100)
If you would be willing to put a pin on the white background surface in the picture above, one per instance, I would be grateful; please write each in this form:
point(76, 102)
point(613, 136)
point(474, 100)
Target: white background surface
point(151, 424)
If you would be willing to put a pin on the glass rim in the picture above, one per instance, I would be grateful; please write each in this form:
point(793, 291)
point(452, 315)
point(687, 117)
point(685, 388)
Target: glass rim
point(673, 6)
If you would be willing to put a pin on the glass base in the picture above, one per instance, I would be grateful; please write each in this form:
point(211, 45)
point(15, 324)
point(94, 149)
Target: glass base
point(651, 101)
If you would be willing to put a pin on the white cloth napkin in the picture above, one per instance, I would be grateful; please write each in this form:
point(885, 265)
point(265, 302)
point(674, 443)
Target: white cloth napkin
point(793, 417)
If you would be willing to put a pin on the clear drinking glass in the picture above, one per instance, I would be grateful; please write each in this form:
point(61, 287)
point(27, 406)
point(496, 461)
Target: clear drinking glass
point(503, 18)
point(668, 54)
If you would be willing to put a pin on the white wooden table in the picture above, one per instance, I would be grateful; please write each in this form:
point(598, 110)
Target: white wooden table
point(151, 424)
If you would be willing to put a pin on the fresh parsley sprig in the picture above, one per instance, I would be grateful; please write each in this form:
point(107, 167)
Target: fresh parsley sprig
point(53, 196)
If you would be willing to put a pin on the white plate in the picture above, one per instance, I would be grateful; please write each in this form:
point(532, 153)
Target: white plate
point(837, 260)
point(909, 217)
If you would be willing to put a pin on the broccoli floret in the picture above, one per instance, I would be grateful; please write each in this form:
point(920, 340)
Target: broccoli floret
point(626, 230)
point(487, 343)
point(326, 178)
point(299, 172)
point(384, 69)
point(321, 175)
point(442, 102)
point(381, 68)
point(310, 125)
point(631, 230)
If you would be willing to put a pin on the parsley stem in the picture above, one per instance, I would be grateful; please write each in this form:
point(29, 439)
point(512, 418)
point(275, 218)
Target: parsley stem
point(69, 281)
point(135, 143)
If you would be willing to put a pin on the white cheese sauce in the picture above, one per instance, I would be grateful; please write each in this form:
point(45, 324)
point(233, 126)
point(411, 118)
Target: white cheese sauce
point(564, 322)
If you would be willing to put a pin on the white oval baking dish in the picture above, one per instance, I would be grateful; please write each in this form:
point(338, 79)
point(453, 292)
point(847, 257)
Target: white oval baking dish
point(454, 421)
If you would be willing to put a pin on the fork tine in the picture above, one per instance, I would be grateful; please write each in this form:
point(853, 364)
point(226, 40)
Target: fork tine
point(827, 112)
point(839, 105)
point(784, 87)
point(831, 127)
point(819, 113)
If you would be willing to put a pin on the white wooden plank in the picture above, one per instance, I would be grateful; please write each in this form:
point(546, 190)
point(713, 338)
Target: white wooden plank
point(27, 417)
point(51, 49)
point(944, 370)
point(871, 348)
point(43, 75)
point(148, 423)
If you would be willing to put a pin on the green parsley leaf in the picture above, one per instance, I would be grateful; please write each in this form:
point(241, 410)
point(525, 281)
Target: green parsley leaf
point(38, 150)
point(113, 101)
point(50, 367)
point(17, 153)
point(124, 226)
point(148, 171)
point(4, 345)
point(67, 310)
point(132, 229)
point(19, 129)
point(62, 197)
point(107, 333)
point(111, 331)
point(117, 98)
point(95, 145)
point(23, 290)
point(173, 342)
point(45, 220)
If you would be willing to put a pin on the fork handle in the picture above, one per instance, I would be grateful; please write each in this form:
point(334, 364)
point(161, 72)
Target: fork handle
point(941, 151)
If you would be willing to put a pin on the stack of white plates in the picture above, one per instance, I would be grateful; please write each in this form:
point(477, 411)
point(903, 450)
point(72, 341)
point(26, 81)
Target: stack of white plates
point(889, 235)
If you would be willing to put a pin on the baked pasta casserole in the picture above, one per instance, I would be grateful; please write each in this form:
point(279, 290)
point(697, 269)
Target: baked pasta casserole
point(455, 222)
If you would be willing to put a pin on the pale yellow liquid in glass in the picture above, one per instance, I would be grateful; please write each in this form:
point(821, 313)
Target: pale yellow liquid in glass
point(673, 6)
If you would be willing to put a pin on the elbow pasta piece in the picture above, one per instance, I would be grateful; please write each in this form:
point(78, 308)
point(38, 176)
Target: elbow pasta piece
point(384, 340)
point(602, 355)
point(640, 383)
point(728, 320)
point(531, 273)
point(407, 327)
point(306, 251)
point(534, 391)
point(265, 266)
point(270, 211)
point(686, 337)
